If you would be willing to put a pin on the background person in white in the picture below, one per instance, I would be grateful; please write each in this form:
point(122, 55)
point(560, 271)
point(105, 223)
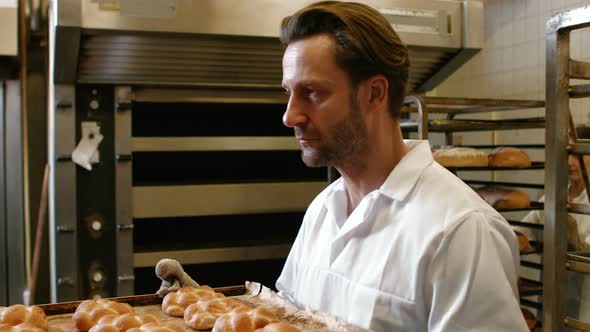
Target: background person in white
point(578, 299)
point(398, 243)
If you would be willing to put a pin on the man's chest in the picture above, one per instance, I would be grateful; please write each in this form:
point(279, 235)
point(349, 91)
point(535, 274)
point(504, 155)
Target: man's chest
point(375, 254)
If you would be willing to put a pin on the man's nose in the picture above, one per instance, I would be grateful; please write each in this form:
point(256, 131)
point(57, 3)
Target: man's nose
point(293, 115)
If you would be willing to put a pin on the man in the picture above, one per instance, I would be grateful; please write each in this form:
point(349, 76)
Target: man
point(398, 243)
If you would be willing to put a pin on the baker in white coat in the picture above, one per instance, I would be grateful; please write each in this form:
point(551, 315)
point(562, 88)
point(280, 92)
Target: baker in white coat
point(398, 243)
point(578, 293)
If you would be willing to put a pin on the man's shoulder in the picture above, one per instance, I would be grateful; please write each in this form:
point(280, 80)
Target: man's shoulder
point(447, 199)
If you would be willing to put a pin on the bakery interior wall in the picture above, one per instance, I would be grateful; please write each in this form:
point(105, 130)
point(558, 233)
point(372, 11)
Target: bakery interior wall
point(511, 65)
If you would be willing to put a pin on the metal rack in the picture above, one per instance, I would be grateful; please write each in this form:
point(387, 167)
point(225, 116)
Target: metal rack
point(561, 68)
point(452, 107)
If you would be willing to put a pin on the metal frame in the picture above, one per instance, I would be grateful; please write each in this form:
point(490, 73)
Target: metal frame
point(62, 192)
point(560, 69)
point(3, 233)
point(213, 255)
point(228, 143)
point(220, 199)
point(123, 192)
point(14, 193)
point(451, 107)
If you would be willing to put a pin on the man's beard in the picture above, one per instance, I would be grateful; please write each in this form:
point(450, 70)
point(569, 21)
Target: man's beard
point(344, 143)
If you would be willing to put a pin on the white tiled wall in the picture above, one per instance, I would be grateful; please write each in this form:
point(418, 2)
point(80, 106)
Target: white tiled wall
point(511, 65)
point(512, 61)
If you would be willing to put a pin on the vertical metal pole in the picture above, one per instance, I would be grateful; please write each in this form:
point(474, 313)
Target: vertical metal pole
point(448, 133)
point(62, 192)
point(123, 191)
point(556, 179)
point(3, 233)
point(15, 225)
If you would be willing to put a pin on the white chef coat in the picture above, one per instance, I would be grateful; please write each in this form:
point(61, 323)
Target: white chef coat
point(422, 253)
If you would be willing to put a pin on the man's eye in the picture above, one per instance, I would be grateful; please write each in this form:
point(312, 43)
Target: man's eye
point(310, 93)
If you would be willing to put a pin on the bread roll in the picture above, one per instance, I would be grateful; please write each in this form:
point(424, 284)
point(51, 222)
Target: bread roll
point(524, 246)
point(132, 322)
point(122, 323)
point(508, 157)
point(250, 321)
point(89, 312)
point(530, 319)
point(278, 327)
point(175, 303)
point(151, 327)
point(203, 314)
point(19, 318)
point(460, 157)
point(503, 198)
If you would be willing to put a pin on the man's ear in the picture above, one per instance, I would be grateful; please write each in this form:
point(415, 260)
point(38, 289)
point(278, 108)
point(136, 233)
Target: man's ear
point(378, 91)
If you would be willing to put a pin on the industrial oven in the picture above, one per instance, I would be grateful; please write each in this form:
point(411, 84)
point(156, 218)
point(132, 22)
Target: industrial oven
point(178, 106)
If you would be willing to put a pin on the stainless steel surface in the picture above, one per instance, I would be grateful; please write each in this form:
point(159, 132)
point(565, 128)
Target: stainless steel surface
point(580, 91)
point(477, 105)
point(214, 255)
point(62, 193)
point(236, 96)
point(471, 42)
point(579, 69)
point(476, 125)
point(66, 49)
point(123, 186)
point(234, 143)
point(578, 18)
point(579, 267)
point(69, 12)
point(557, 116)
point(576, 324)
point(473, 17)
point(15, 243)
point(579, 208)
point(580, 148)
point(227, 17)
point(223, 199)
point(242, 61)
point(422, 116)
point(441, 36)
point(3, 233)
point(9, 31)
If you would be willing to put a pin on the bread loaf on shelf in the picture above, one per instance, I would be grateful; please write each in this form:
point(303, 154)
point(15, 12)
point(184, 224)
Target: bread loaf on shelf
point(508, 157)
point(530, 319)
point(20, 318)
point(460, 157)
point(501, 198)
point(524, 246)
point(89, 312)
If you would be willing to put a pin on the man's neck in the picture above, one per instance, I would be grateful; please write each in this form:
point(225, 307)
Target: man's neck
point(363, 176)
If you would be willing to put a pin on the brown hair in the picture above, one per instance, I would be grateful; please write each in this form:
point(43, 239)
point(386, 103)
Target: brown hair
point(366, 44)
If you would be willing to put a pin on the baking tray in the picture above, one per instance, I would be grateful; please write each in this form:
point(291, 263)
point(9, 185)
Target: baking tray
point(251, 294)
